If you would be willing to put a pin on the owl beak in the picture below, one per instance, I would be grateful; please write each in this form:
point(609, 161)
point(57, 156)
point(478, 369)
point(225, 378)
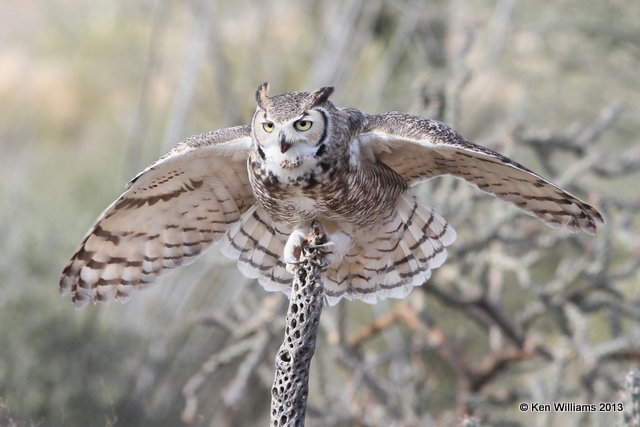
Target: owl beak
point(284, 144)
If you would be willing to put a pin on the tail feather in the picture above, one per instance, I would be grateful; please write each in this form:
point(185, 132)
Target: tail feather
point(258, 243)
point(389, 260)
point(385, 261)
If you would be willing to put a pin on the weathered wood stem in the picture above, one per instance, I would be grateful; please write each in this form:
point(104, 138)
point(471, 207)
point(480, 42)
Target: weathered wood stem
point(291, 384)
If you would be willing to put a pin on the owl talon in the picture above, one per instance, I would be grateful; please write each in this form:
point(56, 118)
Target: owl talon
point(335, 248)
point(324, 247)
point(325, 262)
point(292, 266)
point(328, 250)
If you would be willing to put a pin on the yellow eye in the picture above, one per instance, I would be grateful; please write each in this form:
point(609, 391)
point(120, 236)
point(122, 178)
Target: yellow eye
point(268, 127)
point(302, 125)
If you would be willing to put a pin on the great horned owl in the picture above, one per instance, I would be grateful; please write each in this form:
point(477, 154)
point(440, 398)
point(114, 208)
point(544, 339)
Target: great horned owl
point(256, 189)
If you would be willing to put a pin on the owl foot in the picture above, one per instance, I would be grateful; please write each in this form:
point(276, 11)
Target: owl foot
point(334, 249)
point(293, 249)
point(337, 246)
point(328, 249)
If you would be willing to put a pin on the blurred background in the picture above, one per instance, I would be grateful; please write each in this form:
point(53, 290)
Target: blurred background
point(91, 92)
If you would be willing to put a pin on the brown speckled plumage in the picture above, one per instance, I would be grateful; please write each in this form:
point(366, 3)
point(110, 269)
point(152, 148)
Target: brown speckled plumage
point(254, 188)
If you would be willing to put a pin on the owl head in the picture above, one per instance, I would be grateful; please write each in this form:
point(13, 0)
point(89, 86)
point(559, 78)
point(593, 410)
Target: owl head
point(291, 125)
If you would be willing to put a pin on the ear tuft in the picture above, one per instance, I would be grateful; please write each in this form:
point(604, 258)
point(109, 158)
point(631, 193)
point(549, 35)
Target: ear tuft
point(319, 96)
point(262, 95)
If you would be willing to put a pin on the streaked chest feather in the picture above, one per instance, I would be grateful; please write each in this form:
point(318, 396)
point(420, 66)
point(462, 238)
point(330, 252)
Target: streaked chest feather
point(293, 187)
point(288, 181)
point(340, 189)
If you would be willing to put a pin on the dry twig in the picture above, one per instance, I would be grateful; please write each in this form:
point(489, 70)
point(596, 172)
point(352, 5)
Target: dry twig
point(291, 383)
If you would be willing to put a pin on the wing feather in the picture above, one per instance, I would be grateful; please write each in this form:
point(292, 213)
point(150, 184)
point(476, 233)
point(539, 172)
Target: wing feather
point(169, 214)
point(418, 148)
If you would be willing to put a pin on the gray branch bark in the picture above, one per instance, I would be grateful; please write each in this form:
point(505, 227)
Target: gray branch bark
point(631, 398)
point(291, 384)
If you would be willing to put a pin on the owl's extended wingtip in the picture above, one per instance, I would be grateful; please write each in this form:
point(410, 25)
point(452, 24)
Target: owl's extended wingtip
point(586, 220)
point(598, 219)
point(79, 298)
point(594, 218)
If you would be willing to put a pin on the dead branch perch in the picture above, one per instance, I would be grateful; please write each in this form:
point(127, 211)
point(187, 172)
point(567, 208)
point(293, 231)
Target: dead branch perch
point(291, 384)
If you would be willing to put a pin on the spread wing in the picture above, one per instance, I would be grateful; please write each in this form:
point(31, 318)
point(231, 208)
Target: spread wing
point(169, 213)
point(419, 148)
